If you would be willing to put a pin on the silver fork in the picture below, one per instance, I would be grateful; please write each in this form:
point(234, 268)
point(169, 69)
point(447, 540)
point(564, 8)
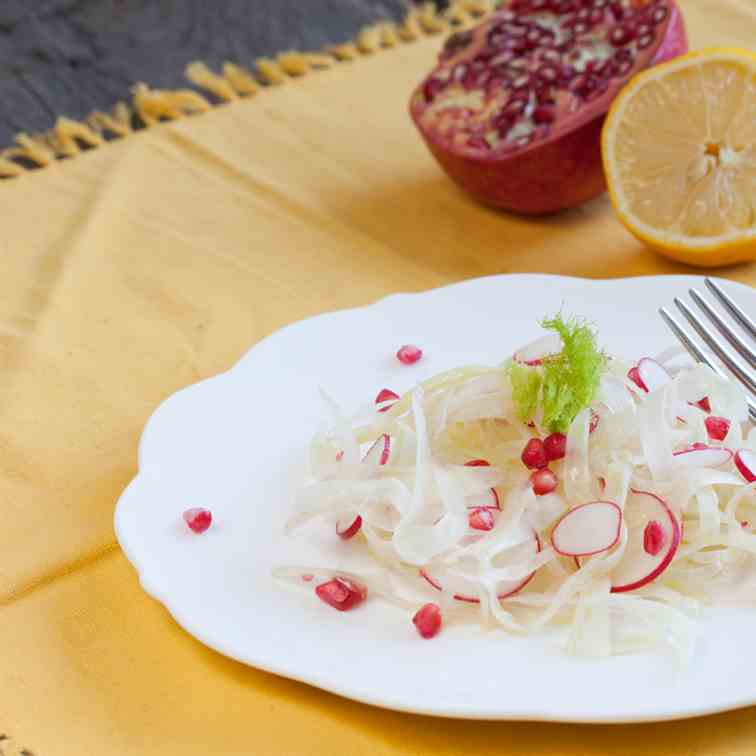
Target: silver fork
point(736, 351)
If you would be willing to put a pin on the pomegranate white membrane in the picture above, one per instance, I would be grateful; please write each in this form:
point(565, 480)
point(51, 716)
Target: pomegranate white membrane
point(565, 488)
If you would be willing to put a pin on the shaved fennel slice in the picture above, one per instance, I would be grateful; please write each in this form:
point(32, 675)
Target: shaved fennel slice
point(590, 634)
point(576, 473)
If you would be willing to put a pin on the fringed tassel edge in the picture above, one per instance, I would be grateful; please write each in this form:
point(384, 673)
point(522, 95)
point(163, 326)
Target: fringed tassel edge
point(150, 106)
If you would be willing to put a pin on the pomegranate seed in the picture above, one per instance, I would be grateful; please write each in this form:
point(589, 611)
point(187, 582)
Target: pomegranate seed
point(596, 17)
point(431, 88)
point(653, 538)
point(341, 594)
point(427, 620)
point(548, 74)
point(704, 404)
point(534, 455)
point(481, 519)
point(602, 484)
point(198, 519)
point(745, 524)
point(514, 108)
point(385, 395)
point(543, 482)
point(351, 530)
point(478, 463)
point(645, 41)
point(717, 427)
point(621, 35)
point(308, 577)
point(339, 455)
point(699, 445)
point(555, 446)
point(660, 14)
point(625, 67)
point(408, 354)
point(544, 114)
point(617, 9)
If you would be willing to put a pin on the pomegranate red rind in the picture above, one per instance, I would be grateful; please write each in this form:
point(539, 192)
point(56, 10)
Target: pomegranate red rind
point(514, 109)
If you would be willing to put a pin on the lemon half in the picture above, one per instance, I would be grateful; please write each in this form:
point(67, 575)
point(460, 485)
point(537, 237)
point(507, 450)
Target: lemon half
point(679, 150)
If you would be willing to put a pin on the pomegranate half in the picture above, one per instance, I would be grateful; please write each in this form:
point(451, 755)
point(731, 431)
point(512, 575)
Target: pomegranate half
point(514, 109)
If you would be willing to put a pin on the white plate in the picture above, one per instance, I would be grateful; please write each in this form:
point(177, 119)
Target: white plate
point(236, 444)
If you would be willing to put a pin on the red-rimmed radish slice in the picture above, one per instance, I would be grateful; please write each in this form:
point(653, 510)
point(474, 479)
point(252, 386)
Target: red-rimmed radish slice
point(587, 529)
point(653, 537)
point(745, 461)
point(701, 455)
point(348, 527)
point(652, 375)
point(462, 588)
point(537, 351)
point(341, 594)
point(486, 500)
point(378, 453)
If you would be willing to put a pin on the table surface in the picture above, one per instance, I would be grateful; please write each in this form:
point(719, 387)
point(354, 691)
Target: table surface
point(69, 57)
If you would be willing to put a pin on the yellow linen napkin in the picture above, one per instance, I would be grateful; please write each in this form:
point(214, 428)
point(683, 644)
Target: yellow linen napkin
point(150, 262)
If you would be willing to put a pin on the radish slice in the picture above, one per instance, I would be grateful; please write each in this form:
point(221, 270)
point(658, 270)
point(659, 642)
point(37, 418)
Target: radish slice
point(703, 456)
point(464, 588)
point(652, 375)
point(653, 537)
point(348, 527)
point(534, 353)
point(378, 453)
point(745, 461)
point(587, 529)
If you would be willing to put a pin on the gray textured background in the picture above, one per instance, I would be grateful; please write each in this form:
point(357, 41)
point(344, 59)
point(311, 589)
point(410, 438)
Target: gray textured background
point(68, 57)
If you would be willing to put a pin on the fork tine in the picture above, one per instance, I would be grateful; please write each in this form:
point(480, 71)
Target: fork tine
point(697, 353)
point(734, 310)
point(730, 361)
point(726, 331)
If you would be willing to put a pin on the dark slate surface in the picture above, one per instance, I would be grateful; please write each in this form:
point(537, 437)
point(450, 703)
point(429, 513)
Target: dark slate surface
point(69, 57)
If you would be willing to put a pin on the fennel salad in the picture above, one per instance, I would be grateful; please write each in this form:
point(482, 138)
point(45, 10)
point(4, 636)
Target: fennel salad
point(565, 488)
